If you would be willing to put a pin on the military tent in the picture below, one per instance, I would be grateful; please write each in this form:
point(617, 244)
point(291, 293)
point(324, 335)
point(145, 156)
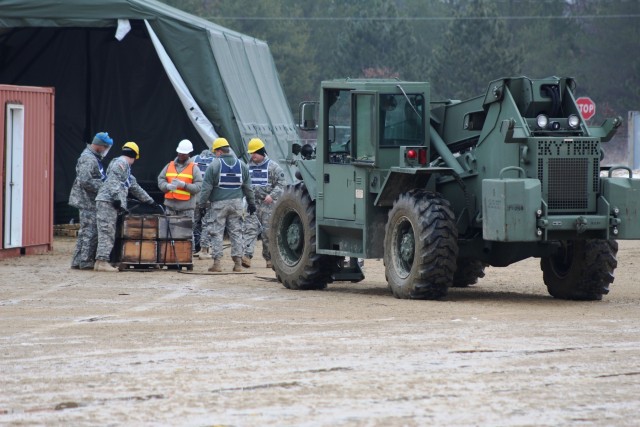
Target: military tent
point(145, 72)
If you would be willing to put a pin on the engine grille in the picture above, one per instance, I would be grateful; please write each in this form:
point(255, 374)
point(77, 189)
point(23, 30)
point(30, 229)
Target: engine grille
point(569, 173)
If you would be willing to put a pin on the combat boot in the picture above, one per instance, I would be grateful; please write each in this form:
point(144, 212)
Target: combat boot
point(237, 263)
point(216, 267)
point(269, 264)
point(203, 254)
point(246, 261)
point(103, 266)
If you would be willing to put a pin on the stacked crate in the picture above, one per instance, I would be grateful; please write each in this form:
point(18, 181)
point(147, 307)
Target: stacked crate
point(175, 241)
point(155, 241)
point(138, 241)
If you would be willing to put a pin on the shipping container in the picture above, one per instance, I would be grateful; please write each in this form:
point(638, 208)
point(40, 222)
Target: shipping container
point(26, 178)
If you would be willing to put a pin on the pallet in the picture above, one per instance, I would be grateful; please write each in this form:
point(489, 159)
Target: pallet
point(188, 267)
point(137, 266)
point(123, 266)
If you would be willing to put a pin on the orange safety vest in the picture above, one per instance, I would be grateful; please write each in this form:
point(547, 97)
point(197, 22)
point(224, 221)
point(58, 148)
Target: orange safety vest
point(185, 176)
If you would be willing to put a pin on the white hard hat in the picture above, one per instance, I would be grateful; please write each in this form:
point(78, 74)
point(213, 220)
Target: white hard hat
point(185, 147)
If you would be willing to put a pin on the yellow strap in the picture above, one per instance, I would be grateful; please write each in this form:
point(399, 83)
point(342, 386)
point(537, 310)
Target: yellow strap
point(186, 193)
point(174, 175)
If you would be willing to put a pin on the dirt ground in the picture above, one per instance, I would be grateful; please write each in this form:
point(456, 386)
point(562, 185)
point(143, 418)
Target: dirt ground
point(169, 348)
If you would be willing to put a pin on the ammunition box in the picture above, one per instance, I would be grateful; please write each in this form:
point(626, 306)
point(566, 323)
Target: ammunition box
point(175, 252)
point(139, 251)
point(175, 227)
point(136, 227)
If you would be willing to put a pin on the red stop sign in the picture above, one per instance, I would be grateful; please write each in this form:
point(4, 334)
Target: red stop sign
point(586, 106)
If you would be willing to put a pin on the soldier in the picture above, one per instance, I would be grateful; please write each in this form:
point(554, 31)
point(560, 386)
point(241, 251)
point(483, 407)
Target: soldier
point(267, 178)
point(181, 180)
point(200, 236)
point(90, 175)
point(112, 198)
point(225, 182)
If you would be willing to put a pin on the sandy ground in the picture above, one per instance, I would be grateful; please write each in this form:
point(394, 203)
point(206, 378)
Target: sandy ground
point(168, 348)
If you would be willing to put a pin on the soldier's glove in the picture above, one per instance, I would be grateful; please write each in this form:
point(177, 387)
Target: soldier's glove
point(251, 209)
point(117, 204)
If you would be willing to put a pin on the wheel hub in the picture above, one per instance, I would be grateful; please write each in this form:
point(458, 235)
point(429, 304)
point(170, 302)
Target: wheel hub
point(407, 245)
point(294, 236)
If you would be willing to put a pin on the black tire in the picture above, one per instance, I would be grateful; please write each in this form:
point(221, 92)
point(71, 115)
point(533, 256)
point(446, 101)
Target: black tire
point(468, 272)
point(581, 270)
point(420, 246)
point(292, 242)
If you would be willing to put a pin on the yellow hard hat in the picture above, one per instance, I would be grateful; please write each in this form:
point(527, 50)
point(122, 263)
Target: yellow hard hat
point(254, 145)
point(219, 142)
point(132, 146)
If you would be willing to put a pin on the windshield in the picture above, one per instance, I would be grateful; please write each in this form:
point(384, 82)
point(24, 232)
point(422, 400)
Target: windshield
point(401, 120)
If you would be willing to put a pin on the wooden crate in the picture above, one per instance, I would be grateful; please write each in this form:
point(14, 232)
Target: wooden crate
point(175, 227)
point(139, 251)
point(182, 255)
point(68, 230)
point(136, 227)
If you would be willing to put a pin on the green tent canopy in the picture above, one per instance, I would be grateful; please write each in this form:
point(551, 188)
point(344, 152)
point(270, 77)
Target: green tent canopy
point(145, 72)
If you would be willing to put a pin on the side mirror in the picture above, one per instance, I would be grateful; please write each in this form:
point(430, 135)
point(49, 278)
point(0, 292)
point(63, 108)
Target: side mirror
point(308, 115)
point(307, 151)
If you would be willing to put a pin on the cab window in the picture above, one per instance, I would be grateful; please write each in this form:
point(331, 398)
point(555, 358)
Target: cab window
point(401, 120)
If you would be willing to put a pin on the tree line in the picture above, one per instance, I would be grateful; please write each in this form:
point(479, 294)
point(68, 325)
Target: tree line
point(459, 46)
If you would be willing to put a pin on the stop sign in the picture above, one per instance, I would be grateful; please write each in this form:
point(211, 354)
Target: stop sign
point(586, 106)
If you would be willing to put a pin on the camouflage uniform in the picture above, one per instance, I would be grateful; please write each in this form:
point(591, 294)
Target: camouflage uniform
point(225, 201)
point(200, 239)
point(120, 182)
point(89, 178)
point(267, 178)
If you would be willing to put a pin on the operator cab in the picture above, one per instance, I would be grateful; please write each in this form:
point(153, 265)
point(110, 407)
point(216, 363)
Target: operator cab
point(366, 125)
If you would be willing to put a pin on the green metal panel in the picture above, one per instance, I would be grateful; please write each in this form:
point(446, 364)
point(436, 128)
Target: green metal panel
point(339, 190)
point(509, 209)
point(402, 179)
point(568, 169)
point(623, 194)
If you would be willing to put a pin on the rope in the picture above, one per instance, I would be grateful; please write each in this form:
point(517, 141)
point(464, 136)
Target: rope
point(173, 243)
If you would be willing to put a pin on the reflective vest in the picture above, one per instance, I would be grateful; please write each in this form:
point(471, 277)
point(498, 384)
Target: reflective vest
point(230, 176)
point(185, 176)
point(203, 162)
point(259, 174)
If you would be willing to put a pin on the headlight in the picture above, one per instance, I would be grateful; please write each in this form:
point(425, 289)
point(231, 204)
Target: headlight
point(573, 121)
point(542, 121)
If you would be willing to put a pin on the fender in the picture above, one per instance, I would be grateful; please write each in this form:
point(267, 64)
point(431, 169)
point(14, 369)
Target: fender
point(399, 179)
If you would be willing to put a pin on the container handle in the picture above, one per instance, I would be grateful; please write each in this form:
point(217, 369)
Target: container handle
point(510, 168)
point(628, 169)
